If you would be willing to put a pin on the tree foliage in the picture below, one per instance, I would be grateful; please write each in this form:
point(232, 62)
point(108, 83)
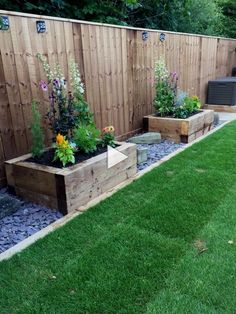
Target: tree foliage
point(228, 8)
point(211, 17)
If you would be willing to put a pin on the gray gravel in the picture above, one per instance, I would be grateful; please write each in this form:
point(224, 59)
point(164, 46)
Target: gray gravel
point(29, 219)
point(158, 151)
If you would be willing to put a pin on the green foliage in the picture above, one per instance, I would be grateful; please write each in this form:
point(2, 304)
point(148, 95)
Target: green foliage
point(190, 106)
point(108, 136)
point(36, 131)
point(228, 8)
point(198, 16)
point(191, 16)
point(86, 138)
point(164, 101)
point(165, 90)
point(83, 115)
point(64, 151)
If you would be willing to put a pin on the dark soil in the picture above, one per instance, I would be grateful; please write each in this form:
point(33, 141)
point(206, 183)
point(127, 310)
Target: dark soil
point(47, 157)
point(171, 116)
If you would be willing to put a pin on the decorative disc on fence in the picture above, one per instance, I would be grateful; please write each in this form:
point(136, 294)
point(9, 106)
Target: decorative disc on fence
point(4, 23)
point(162, 37)
point(41, 26)
point(145, 35)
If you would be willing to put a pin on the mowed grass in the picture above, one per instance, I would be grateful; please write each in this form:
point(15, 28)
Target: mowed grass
point(164, 244)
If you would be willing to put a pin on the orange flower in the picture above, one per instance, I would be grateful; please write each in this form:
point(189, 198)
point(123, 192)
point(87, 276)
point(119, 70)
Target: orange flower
point(108, 129)
point(59, 139)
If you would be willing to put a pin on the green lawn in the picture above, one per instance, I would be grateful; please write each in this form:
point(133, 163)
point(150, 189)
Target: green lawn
point(159, 245)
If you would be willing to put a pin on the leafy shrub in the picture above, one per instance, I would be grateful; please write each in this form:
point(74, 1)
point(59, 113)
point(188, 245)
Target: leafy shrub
point(164, 99)
point(36, 131)
point(63, 150)
point(108, 136)
point(166, 86)
point(190, 106)
point(86, 138)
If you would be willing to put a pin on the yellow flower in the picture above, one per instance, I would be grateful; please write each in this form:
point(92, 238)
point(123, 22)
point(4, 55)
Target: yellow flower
point(195, 98)
point(60, 139)
point(111, 128)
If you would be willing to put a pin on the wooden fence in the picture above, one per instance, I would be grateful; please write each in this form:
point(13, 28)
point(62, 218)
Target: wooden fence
point(116, 64)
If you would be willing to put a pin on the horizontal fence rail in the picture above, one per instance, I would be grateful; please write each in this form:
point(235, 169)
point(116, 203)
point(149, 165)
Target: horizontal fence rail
point(116, 65)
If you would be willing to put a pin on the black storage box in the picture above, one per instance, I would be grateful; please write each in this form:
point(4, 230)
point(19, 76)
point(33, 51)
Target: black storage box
point(222, 91)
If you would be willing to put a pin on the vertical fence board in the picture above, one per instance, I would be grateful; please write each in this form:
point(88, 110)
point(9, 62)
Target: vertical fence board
point(12, 87)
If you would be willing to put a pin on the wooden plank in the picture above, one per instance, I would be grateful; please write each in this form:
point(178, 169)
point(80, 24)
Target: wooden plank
point(113, 79)
point(107, 73)
point(130, 77)
point(124, 57)
point(78, 53)
point(119, 71)
point(6, 125)
point(208, 65)
point(12, 87)
point(87, 66)
point(34, 180)
point(221, 108)
point(101, 76)
point(94, 177)
point(36, 197)
point(93, 51)
point(21, 46)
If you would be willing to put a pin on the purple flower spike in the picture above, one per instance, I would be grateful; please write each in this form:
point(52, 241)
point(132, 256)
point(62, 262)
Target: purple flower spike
point(43, 85)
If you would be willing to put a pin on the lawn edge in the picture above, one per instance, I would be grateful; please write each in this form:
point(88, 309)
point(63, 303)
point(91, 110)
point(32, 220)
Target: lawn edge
point(62, 221)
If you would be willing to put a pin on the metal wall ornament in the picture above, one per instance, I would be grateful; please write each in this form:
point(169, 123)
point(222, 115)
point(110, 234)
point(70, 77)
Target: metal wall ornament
point(162, 37)
point(145, 35)
point(41, 26)
point(4, 23)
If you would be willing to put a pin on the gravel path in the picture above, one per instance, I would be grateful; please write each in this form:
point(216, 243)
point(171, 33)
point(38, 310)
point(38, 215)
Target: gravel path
point(29, 219)
point(158, 151)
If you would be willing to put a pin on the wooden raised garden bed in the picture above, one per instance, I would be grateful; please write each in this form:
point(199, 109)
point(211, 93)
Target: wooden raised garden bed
point(181, 130)
point(69, 188)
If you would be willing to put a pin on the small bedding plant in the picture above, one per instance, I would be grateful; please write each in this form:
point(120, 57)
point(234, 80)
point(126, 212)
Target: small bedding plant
point(74, 134)
point(170, 101)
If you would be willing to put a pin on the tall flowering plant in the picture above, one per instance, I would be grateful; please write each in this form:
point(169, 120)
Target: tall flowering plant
point(69, 116)
point(67, 109)
point(169, 100)
point(166, 86)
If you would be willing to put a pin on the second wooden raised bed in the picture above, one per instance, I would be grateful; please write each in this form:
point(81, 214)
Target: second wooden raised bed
point(181, 130)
